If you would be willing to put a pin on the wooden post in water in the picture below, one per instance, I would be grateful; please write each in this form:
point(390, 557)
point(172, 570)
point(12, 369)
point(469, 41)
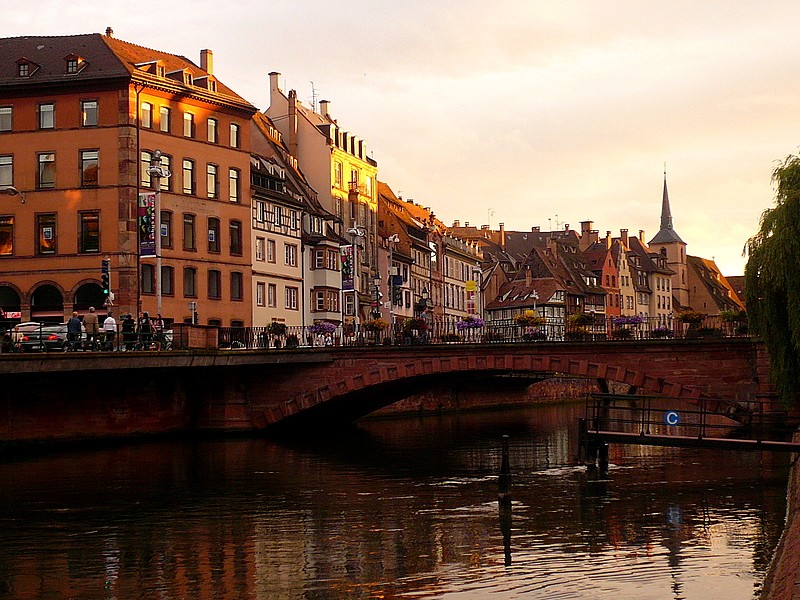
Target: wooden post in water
point(504, 497)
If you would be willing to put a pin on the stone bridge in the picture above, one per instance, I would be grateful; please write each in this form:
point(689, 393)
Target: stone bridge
point(85, 395)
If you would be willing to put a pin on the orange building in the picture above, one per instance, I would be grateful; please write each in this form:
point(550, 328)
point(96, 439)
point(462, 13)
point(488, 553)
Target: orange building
point(80, 119)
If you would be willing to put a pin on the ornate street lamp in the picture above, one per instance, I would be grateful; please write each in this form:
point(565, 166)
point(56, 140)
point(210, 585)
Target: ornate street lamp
point(157, 171)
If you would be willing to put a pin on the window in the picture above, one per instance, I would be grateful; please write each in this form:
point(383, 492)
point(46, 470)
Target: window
point(164, 182)
point(89, 113)
point(236, 237)
point(147, 115)
point(167, 281)
point(190, 282)
point(47, 234)
point(236, 286)
point(145, 179)
point(212, 181)
point(23, 69)
point(319, 259)
point(166, 229)
point(90, 232)
point(47, 116)
point(319, 300)
point(214, 284)
point(188, 232)
point(6, 120)
point(333, 261)
point(271, 251)
point(261, 293)
point(234, 135)
point(260, 249)
point(72, 65)
point(295, 220)
point(272, 295)
point(6, 235)
point(212, 131)
point(213, 234)
point(290, 255)
point(164, 118)
point(47, 171)
point(338, 174)
point(233, 185)
point(89, 167)
point(6, 171)
point(291, 298)
point(188, 125)
point(188, 176)
point(148, 279)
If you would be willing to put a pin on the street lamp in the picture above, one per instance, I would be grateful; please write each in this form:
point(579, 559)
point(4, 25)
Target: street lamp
point(12, 191)
point(356, 234)
point(156, 171)
point(376, 290)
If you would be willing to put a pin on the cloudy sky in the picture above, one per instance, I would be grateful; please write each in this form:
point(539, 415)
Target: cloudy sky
point(522, 112)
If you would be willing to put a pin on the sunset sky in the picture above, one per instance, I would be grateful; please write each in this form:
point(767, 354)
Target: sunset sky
point(521, 112)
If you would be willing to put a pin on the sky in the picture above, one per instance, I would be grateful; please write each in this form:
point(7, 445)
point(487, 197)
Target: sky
point(527, 113)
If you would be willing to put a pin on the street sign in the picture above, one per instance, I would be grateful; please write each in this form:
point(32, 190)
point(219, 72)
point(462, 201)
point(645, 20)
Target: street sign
point(671, 417)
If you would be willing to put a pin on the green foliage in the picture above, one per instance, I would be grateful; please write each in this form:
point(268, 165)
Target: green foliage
point(772, 280)
point(580, 319)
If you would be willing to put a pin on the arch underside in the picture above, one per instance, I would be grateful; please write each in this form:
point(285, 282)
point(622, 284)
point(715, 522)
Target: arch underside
point(363, 392)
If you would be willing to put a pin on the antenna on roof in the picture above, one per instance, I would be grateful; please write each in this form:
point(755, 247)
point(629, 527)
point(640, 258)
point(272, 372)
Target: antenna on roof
point(313, 97)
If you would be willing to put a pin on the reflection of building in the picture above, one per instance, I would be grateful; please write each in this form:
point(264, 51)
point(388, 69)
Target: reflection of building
point(80, 117)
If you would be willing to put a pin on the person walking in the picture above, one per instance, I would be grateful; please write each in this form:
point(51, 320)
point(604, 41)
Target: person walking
point(110, 331)
point(74, 328)
point(90, 324)
point(128, 330)
point(145, 331)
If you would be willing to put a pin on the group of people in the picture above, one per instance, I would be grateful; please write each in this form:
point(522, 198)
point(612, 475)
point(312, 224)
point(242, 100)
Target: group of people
point(146, 334)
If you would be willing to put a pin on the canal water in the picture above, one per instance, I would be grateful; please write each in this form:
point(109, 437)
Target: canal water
point(399, 508)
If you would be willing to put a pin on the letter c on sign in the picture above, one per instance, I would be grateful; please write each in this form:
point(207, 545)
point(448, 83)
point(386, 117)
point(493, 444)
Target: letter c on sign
point(671, 417)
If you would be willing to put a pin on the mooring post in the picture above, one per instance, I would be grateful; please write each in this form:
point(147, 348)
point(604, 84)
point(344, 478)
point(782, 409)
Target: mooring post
point(602, 460)
point(504, 497)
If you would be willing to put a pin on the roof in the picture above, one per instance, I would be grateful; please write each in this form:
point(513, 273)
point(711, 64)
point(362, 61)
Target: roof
point(520, 293)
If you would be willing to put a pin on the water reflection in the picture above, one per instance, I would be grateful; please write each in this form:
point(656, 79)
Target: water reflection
point(396, 508)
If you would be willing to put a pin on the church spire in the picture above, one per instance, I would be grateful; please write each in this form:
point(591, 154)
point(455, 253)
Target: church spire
point(666, 233)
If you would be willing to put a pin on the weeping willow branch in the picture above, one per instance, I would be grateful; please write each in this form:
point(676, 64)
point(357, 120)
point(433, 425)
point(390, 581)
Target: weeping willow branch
point(772, 281)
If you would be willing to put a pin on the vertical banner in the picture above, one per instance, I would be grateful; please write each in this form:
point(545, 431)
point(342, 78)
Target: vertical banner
point(471, 287)
point(346, 255)
point(147, 233)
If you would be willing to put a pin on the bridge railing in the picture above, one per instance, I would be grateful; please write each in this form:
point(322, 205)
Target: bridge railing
point(416, 332)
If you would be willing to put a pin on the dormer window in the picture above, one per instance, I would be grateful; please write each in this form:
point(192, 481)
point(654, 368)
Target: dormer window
point(73, 64)
point(206, 82)
point(26, 68)
point(182, 75)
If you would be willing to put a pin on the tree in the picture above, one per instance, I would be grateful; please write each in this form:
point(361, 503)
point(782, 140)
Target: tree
point(772, 281)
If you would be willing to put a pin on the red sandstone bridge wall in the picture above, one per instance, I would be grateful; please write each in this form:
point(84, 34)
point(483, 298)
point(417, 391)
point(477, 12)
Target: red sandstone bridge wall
point(79, 396)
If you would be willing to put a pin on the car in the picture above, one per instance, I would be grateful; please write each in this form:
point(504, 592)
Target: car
point(45, 338)
point(21, 329)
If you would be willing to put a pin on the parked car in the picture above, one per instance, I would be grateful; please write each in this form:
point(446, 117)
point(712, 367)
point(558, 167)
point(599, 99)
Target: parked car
point(21, 329)
point(45, 338)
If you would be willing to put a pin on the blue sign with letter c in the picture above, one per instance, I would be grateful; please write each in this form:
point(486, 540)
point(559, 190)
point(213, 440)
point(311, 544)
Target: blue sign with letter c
point(671, 417)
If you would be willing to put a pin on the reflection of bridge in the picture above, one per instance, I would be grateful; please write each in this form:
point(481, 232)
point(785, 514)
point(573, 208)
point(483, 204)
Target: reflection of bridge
point(80, 395)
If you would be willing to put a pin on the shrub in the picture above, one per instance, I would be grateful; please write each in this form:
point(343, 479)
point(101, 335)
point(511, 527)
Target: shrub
point(276, 328)
point(580, 319)
point(529, 320)
point(690, 316)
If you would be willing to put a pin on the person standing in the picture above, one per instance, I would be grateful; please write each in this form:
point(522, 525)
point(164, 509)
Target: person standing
point(145, 331)
point(128, 331)
point(74, 331)
point(90, 324)
point(110, 331)
point(158, 331)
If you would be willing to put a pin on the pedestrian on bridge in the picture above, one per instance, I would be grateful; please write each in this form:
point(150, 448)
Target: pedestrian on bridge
point(110, 331)
point(91, 325)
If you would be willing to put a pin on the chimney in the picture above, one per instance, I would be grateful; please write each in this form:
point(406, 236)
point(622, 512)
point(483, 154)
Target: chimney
point(323, 108)
point(566, 226)
point(641, 235)
point(274, 83)
point(535, 229)
point(623, 234)
point(503, 236)
point(586, 227)
point(207, 61)
point(109, 32)
point(528, 278)
point(456, 224)
point(466, 223)
point(608, 239)
point(484, 228)
point(292, 141)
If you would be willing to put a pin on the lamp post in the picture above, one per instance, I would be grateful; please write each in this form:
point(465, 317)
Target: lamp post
point(156, 171)
point(356, 234)
point(376, 290)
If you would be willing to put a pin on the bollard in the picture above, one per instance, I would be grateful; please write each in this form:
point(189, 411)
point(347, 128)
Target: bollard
point(504, 497)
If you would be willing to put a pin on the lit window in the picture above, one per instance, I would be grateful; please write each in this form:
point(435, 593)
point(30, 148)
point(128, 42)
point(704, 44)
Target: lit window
point(6, 235)
point(212, 181)
point(234, 135)
point(90, 232)
point(212, 131)
point(188, 125)
point(165, 114)
point(147, 115)
point(188, 176)
point(89, 113)
point(233, 185)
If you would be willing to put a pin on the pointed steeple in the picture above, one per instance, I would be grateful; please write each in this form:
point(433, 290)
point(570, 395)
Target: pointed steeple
point(666, 233)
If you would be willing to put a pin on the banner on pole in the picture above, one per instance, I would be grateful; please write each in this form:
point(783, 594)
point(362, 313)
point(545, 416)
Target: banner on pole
point(147, 219)
point(348, 274)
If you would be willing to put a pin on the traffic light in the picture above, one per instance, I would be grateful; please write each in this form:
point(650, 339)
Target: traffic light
point(397, 295)
point(105, 277)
